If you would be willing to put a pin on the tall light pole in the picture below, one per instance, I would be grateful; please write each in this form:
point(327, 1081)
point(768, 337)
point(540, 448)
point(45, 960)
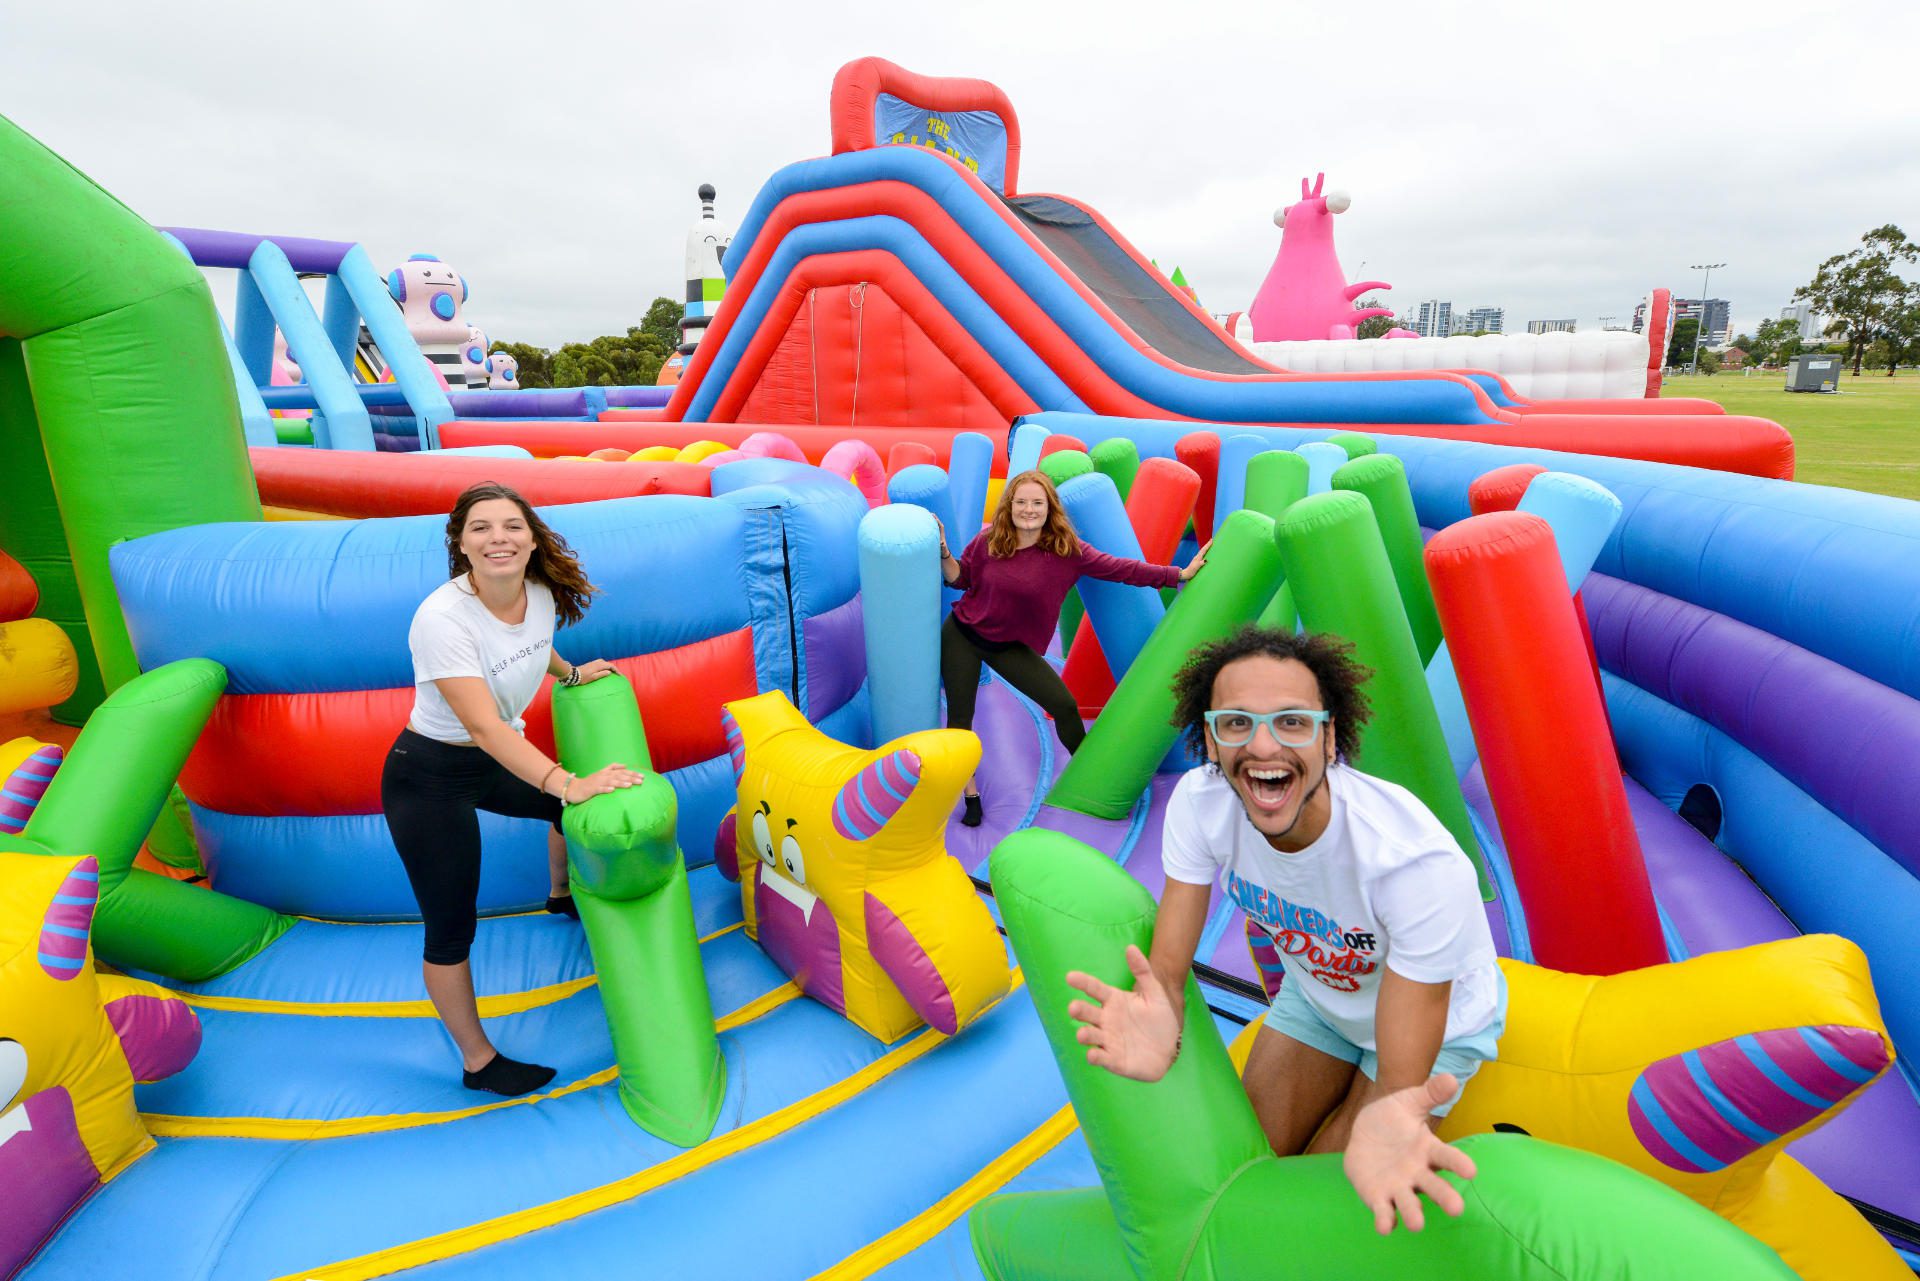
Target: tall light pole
point(1701, 323)
point(1604, 325)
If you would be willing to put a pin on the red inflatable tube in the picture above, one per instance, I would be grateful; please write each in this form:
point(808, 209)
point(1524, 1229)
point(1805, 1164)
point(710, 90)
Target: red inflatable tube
point(546, 440)
point(1666, 408)
point(353, 484)
point(19, 594)
point(328, 749)
point(1060, 442)
point(1659, 306)
point(1200, 451)
point(1543, 742)
point(1159, 507)
point(1501, 490)
point(909, 453)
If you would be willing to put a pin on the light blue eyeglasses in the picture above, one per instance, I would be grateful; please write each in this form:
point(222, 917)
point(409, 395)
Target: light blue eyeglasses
point(1292, 727)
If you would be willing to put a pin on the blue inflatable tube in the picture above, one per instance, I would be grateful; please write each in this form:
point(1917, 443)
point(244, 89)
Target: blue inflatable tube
point(1123, 616)
point(900, 588)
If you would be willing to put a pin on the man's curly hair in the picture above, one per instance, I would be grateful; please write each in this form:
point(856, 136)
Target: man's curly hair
point(1329, 658)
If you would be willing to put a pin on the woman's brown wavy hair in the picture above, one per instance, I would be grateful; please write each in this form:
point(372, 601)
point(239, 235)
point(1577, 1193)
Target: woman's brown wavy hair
point(552, 562)
point(1056, 536)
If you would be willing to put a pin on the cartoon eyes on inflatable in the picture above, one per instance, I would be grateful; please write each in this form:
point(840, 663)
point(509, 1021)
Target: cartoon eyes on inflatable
point(762, 839)
point(13, 1072)
point(1338, 202)
point(791, 858)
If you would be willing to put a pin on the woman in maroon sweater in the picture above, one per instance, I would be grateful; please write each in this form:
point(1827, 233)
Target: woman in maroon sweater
point(1014, 577)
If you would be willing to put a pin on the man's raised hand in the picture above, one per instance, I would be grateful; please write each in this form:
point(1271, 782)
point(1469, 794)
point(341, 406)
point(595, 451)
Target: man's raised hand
point(1394, 1156)
point(1132, 1034)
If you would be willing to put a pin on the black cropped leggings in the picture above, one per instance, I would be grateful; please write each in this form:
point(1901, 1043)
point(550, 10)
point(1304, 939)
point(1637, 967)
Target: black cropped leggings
point(432, 793)
point(1020, 667)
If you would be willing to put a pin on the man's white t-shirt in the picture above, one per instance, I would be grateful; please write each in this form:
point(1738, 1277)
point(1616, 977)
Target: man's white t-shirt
point(1384, 884)
point(454, 634)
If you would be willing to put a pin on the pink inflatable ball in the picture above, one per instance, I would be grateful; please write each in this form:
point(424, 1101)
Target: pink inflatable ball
point(609, 455)
point(771, 444)
point(724, 456)
point(860, 464)
point(430, 294)
point(503, 372)
point(286, 373)
point(909, 453)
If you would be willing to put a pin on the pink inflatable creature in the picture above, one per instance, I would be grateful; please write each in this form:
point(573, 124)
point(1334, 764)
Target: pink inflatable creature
point(1305, 294)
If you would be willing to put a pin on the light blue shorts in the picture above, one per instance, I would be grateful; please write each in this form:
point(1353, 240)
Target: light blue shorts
point(1291, 1016)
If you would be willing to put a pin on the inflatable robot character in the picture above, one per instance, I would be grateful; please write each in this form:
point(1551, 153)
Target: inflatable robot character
point(707, 241)
point(430, 294)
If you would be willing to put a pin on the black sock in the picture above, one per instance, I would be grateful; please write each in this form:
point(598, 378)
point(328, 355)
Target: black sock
point(563, 905)
point(971, 816)
point(510, 1077)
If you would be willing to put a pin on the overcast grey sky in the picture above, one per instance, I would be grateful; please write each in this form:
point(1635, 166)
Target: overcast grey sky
point(1555, 159)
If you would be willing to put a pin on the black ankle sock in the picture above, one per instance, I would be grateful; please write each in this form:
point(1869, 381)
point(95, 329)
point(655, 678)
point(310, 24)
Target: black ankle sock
point(971, 817)
point(563, 905)
point(510, 1077)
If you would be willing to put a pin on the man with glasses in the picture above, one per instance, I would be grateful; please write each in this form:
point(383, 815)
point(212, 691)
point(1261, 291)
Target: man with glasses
point(1389, 973)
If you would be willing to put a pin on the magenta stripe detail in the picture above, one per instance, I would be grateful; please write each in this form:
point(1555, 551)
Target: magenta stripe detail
point(1858, 1045)
point(1766, 1103)
point(160, 1036)
point(1656, 1146)
point(1797, 1059)
point(902, 770)
point(1695, 1115)
point(911, 969)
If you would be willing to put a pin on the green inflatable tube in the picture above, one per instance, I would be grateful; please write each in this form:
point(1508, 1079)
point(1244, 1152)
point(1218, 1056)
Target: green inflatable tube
point(1125, 746)
point(1060, 468)
point(1191, 1191)
point(1343, 584)
point(104, 801)
point(1276, 480)
point(1381, 479)
point(630, 883)
point(133, 405)
point(1118, 459)
point(1356, 444)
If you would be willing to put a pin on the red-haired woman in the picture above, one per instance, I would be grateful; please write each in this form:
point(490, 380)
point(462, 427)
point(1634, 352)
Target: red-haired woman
point(481, 643)
point(1014, 577)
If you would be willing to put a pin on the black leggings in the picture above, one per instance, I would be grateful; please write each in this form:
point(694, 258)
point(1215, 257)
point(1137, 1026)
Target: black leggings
point(432, 793)
point(1020, 667)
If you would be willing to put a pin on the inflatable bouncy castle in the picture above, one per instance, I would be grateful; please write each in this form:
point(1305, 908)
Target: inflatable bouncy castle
point(1660, 695)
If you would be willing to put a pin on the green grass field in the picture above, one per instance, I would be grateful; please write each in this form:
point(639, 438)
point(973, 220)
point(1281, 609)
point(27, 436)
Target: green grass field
point(1865, 437)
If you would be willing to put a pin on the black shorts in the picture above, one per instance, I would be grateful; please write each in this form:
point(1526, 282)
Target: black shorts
point(432, 793)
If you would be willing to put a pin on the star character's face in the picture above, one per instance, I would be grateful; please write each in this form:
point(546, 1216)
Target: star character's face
point(783, 862)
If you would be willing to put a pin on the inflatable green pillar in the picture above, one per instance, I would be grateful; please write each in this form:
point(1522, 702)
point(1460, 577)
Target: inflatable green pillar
point(1125, 746)
point(103, 802)
point(1343, 584)
point(1276, 480)
point(1191, 1191)
point(630, 883)
point(1381, 479)
point(123, 408)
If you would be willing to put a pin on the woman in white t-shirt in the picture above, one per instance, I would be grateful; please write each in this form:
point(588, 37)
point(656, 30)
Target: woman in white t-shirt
point(482, 642)
point(1390, 975)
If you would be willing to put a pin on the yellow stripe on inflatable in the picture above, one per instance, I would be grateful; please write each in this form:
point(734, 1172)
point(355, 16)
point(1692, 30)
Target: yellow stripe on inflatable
point(935, 1219)
point(447, 1245)
point(295, 513)
point(16, 750)
point(275, 1127)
